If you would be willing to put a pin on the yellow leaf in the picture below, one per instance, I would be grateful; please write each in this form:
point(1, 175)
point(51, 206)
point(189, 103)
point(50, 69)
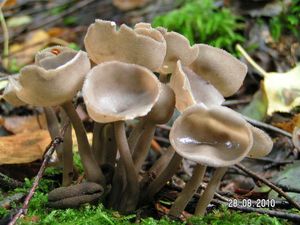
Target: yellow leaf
point(282, 90)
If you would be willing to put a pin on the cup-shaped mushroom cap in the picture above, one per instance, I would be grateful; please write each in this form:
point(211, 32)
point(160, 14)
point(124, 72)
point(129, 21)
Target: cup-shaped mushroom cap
point(164, 107)
point(9, 93)
point(104, 43)
point(215, 136)
point(55, 81)
point(190, 89)
point(220, 68)
point(115, 91)
point(178, 48)
point(57, 55)
point(262, 143)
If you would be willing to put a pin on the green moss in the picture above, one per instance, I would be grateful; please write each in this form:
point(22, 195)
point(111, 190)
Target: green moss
point(202, 22)
point(39, 213)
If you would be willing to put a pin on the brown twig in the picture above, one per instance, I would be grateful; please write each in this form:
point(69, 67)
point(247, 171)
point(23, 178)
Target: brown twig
point(50, 149)
point(267, 126)
point(268, 183)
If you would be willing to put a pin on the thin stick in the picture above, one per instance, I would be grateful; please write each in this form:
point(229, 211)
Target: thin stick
point(259, 69)
point(270, 184)
point(50, 149)
point(5, 36)
point(267, 126)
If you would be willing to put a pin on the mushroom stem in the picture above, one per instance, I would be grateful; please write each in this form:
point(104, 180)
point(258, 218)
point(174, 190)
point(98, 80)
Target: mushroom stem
point(189, 190)
point(53, 127)
point(143, 145)
point(165, 175)
point(69, 170)
point(131, 194)
point(92, 170)
point(210, 190)
point(109, 146)
point(97, 142)
point(135, 134)
point(157, 167)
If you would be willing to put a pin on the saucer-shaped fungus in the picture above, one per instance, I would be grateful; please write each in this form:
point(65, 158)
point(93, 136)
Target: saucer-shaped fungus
point(104, 42)
point(220, 68)
point(116, 91)
point(215, 136)
point(55, 78)
point(190, 89)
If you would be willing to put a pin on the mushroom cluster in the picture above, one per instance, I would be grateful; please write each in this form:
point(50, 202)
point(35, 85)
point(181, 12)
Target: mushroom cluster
point(141, 73)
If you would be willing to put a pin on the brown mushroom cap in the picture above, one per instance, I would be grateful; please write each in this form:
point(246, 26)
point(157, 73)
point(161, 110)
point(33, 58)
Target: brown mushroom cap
point(190, 89)
point(145, 47)
point(178, 48)
point(220, 68)
point(115, 91)
point(164, 107)
point(215, 136)
point(55, 81)
point(9, 93)
point(262, 143)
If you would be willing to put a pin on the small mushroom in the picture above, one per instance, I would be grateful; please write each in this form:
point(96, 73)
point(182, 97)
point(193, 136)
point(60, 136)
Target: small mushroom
point(262, 144)
point(215, 136)
point(220, 68)
point(161, 113)
point(127, 91)
point(190, 89)
point(55, 79)
point(178, 48)
point(145, 46)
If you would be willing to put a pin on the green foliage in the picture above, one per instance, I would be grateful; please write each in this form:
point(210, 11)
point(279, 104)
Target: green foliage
point(288, 21)
point(202, 22)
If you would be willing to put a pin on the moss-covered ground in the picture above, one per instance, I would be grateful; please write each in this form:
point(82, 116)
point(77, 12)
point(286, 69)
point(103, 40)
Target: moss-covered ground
point(39, 213)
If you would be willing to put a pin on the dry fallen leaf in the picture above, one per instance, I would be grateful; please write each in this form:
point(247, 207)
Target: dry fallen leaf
point(24, 147)
point(282, 90)
point(20, 124)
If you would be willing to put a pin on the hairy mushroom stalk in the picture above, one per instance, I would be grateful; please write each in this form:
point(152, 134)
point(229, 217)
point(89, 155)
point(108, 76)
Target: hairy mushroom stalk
point(128, 91)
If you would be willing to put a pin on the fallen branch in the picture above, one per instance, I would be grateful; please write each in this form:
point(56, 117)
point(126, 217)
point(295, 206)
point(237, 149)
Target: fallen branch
point(268, 183)
point(50, 149)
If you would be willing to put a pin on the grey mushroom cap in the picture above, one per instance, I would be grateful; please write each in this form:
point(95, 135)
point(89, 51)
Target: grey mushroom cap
point(9, 93)
point(220, 68)
point(178, 48)
point(215, 136)
point(115, 91)
point(190, 89)
point(262, 143)
point(144, 46)
point(52, 80)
